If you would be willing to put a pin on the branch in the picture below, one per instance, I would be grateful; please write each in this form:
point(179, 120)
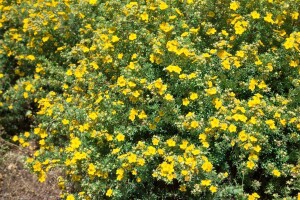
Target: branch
point(10, 144)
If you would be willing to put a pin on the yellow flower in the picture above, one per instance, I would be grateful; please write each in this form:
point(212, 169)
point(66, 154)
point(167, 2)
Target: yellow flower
point(132, 114)
point(65, 121)
point(253, 157)
point(185, 101)
point(295, 15)
point(253, 139)
point(136, 93)
point(91, 169)
point(173, 68)
point(255, 15)
point(151, 150)
point(169, 97)
point(25, 95)
point(155, 141)
point(258, 62)
point(109, 192)
point(31, 57)
point(132, 36)
point(192, 75)
point(243, 136)
point(92, 2)
point(202, 137)
point(252, 84)
point(70, 197)
point(194, 124)
point(250, 164)
point(211, 31)
point(253, 196)
point(226, 64)
point(163, 5)
point(166, 168)
point(183, 145)
point(190, 114)
point(37, 167)
point(232, 128)
point(42, 176)
point(120, 56)
point(115, 38)
point(257, 148)
point(224, 126)
point(184, 34)
point(184, 172)
point(27, 134)
point(234, 5)
point(69, 99)
point(120, 137)
point(132, 158)
point(80, 155)
point(93, 115)
point(79, 72)
point(207, 166)
point(141, 161)
point(211, 91)
point(69, 72)
point(121, 81)
point(142, 115)
point(194, 30)
point(182, 188)
point(213, 189)
point(205, 182)
point(120, 173)
point(193, 96)
point(214, 123)
point(289, 43)
point(15, 138)
point(224, 32)
point(115, 151)
point(294, 63)
point(131, 4)
point(268, 18)
point(271, 123)
point(276, 172)
point(262, 85)
point(218, 103)
point(239, 117)
point(75, 143)
point(144, 17)
point(166, 27)
point(239, 28)
point(240, 54)
point(171, 143)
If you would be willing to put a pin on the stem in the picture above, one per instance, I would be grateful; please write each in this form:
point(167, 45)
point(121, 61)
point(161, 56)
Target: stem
point(243, 180)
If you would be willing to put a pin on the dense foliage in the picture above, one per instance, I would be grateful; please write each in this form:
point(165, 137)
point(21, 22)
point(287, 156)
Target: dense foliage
point(188, 99)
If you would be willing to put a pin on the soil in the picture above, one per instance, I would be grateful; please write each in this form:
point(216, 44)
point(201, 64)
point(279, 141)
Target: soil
point(17, 183)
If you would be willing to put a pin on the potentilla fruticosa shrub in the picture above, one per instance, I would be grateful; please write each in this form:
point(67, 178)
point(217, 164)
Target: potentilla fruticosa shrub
point(190, 99)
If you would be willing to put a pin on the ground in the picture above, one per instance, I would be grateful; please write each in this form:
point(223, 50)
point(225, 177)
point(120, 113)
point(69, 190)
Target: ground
point(16, 182)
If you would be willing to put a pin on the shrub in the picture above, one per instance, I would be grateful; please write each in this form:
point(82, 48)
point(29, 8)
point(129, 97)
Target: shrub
point(158, 100)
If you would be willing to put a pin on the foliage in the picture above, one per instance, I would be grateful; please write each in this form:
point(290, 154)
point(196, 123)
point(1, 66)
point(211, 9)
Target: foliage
point(156, 100)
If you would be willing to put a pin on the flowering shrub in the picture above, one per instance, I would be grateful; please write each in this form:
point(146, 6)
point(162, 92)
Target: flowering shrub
point(157, 99)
